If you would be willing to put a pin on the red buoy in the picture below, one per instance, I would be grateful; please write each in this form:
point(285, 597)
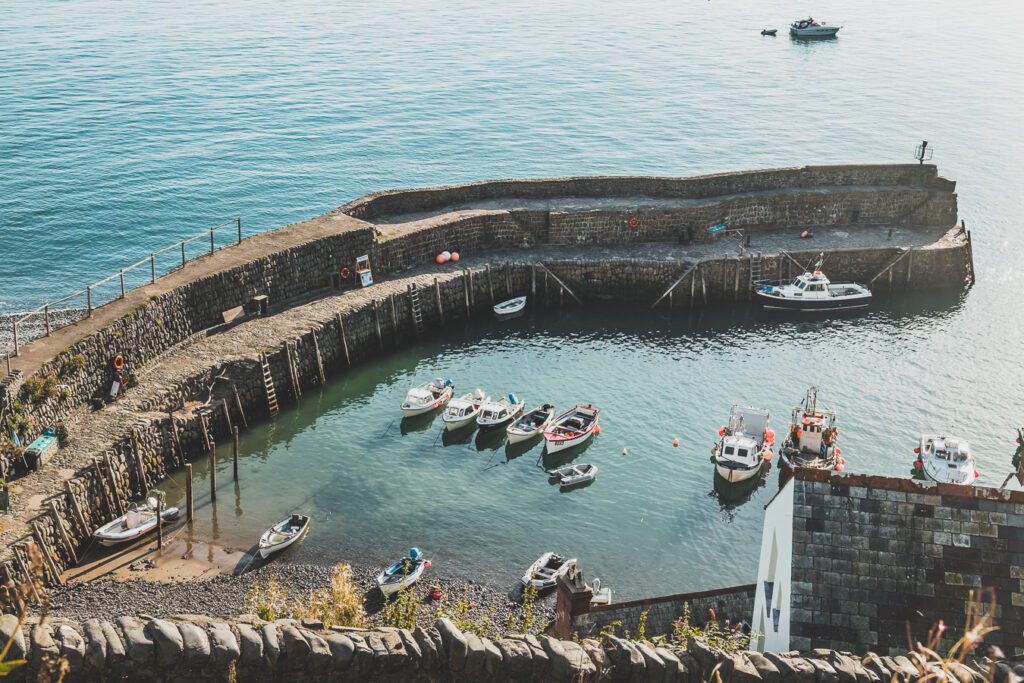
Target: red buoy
point(839, 451)
point(805, 234)
point(675, 442)
point(918, 465)
point(428, 564)
point(455, 256)
point(721, 432)
point(439, 259)
point(976, 474)
point(597, 429)
point(839, 467)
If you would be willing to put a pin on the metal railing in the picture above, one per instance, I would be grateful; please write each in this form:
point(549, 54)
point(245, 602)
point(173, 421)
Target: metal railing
point(94, 298)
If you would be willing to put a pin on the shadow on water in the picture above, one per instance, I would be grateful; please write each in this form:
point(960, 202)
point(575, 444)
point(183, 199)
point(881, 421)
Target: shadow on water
point(732, 495)
point(417, 423)
point(514, 450)
point(491, 439)
point(560, 459)
point(458, 437)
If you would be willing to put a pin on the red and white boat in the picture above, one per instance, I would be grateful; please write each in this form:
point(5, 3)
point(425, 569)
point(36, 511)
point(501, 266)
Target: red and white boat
point(571, 428)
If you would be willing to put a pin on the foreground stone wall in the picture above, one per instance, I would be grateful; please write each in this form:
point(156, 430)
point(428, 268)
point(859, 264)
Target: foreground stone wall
point(131, 648)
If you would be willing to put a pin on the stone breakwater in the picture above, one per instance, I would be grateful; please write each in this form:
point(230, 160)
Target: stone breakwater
point(189, 648)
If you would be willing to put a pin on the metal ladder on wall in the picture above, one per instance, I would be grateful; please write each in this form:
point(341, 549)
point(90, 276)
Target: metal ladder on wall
point(268, 383)
point(417, 310)
point(755, 268)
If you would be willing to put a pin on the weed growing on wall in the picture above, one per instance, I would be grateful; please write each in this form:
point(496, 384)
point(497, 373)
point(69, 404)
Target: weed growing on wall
point(339, 604)
point(724, 637)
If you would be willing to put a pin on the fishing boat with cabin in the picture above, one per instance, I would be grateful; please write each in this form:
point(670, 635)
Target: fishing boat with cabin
point(946, 459)
point(531, 425)
point(745, 445)
point(427, 397)
point(813, 292)
point(497, 413)
point(813, 437)
point(463, 411)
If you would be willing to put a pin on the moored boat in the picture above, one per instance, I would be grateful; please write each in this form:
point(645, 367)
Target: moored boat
point(571, 428)
point(769, 31)
point(809, 28)
point(573, 475)
point(545, 570)
point(510, 307)
point(946, 459)
point(745, 445)
point(283, 534)
point(813, 437)
point(464, 410)
point(497, 413)
point(812, 291)
point(403, 573)
point(531, 424)
point(137, 522)
point(427, 397)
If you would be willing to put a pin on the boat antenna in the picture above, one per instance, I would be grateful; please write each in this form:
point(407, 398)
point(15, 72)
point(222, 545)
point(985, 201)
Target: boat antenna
point(821, 260)
point(811, 402)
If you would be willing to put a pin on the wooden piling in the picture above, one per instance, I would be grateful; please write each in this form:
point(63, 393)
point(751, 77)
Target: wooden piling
point(293, 368)
point(472, 294)
point(19, 555)
point(177, 439)
point(58, 522)
point(704, 288)
point(207, 441)
point(376, 320)
point(227, 414)
point(547, 300)
point(76, 508)
point(234, 456)
point(736, 283)
point(437, 296)
point(159, 522)
point(48, 561)
point(344, 339)
point(190, 503)
point(238, 406)
point(111, 510)
point(533, 283)
point(213, 474)
point(113, 483)
point(490, 284)
point(319, 361)
point(140, 466)
point(465, 290)
point(508, 280)
point(561, 296)
point(394, 318)
point(693, 287)
point(910, 265)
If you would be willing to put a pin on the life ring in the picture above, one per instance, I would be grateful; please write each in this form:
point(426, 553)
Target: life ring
point(118, 362)
point(634, 222)
point(345, 272)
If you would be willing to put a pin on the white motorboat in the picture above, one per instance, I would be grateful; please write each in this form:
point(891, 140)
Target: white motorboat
point(746, 443)
point(283, 534)
point(946, 460)
point(813, 437)
point(571, 428)
point(510, 307)
point(464, 410)
point(544, 572)
point(531, 425)
point(813, 291)
point(573, 475)
point(602, 595)
point(403, 573)
point(427, 397)
point(809, 28)
point(137, 522)
point(496, 413)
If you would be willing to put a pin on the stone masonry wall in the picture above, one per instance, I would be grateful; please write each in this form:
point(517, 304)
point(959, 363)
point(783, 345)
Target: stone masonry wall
point(872, 555)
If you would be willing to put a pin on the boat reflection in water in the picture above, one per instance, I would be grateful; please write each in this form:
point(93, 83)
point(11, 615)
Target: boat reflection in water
point(417, 423)
point(732, 495)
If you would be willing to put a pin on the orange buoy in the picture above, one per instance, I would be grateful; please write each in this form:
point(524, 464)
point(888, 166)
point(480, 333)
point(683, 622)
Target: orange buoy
point(768, 456)
point(428, 564)
point(634, 222)
point(769, 436)
point(917, 450)
point(721, 432)
point(839, 467)
point(439, 259)
point(839, 451)
point(455, 256)
point(597, 429)
point(675, 442)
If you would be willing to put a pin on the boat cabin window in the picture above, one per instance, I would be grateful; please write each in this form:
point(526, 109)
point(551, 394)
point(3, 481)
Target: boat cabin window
point(742, 452)
point(816, 288)
point(729, 450)
point(800, 284)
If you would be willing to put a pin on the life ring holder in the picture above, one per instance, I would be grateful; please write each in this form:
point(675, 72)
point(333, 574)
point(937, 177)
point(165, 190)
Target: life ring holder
point(118, 362)
point(345, 273)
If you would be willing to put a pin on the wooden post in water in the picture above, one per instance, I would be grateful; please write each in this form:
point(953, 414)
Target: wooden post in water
point(190, 507)
point(376, 320)
point(910, 265)
point(693, 287)
point(704, 287)
point(736, 283)
point(344, 339)
point(238, 405)
point(159, 522)
point(394, 318)
point(213, 473)
point(227, 414)
point(547, 300)
point(561, 296)
point(234, 457)
point(533, 283)
point(319, 360)
point(472, 296)
point(440, 306)
point(490, 284)
point(508, 279)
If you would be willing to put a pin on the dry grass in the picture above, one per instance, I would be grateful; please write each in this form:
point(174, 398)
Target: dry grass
point(979, 622)
point(18, 598)
point(339, 604)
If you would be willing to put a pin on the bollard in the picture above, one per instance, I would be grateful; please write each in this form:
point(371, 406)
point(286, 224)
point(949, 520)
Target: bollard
point(234, 459)
point(190, 508)
point(15, 337)
point(46, 316)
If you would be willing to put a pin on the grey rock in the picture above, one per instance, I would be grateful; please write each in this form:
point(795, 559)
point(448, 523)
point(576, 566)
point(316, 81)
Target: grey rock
point(319, 651)
point(652, 662)
point(844, 666)
point(516, 656)
point(115, 645)
point(295, 648)
point(11, 631)
point(597, 654)
point(824, 671)
point(95, 644)
point(674, 669)
point(41, 644)
point(768, 672)
point(138, 646)
point(379, 649)
point(411, 646)
point(792, 669)
point(271, 643)
point(901, 667)
point(72, 646)
point(196, 644)
point(583, 668)
point(541, 659)
point(168, 642)
point(494, 661)
point(476, 654)
point(742, 670)
point(629, 661)
point(223, 644)
point(873, 664)
point(342, 650)
point(454, 643)
point(364, 654)
point(561, 667)
point(966, 674)
point(427, 644)
point(251, 645)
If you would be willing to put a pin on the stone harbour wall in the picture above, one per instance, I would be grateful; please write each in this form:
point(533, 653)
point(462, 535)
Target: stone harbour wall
point(191, 648)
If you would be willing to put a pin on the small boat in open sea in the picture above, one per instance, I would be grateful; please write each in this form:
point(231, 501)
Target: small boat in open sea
point(809, 28)
point(531, 425)
point(946, 460)
point(403, 573)
point(573, 475)
point(545, 570)
point(137, 522)
point(769, 32)
point(463, 411)
point(813, 437)
point(812, 291)
point(745, 445)
point(496, 413)
point(427, 397)
point(283, 534)
point(510, 307)
point(571, 428)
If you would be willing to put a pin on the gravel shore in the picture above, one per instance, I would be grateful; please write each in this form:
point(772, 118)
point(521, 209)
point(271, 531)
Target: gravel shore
point(225, 596)
point(34, 327)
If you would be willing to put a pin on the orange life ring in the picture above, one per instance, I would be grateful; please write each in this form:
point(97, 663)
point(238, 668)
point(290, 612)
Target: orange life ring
point(345, 272)
point(118, 362)
point(634, 222)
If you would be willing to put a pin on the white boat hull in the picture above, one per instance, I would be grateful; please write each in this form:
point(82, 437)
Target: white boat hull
point(815, 32)
point(390, 588)
point(565, 444)
point(111, 534)
point(452, 425)
point(519, 437)
point(422, 410)
point(510, 307)
point(734, 475)
point(268, 549)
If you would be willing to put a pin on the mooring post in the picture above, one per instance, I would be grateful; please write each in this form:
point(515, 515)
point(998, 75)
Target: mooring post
point(49, 562)
point(736, 283)
point(508, 279)
point(234, 456)
point(88, 300)
point(213, 473)
point(490, 284)
point(376, 320)
point(227, 413)
point(212, 230)
point(533, 282)
point(910, 264)
point(547, 299)
point(693, 287)
point(238, 221)
point(63, 533)
point(472, 295)
point(190, 508)
point(344, 340)
point(101, 485)
point(177, 438)
point(704, 287)
point(113, 483)
point(46, 316)
point(152, 268)
point(183, 253)
point(29, 579)
point(319, 360)
point(465, 290)
point(159, 522)
point(15, 324)
point(394, 318)
point(76, 508)
point(440, 306)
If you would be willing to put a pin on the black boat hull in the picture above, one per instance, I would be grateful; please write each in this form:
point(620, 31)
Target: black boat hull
point(775, 303)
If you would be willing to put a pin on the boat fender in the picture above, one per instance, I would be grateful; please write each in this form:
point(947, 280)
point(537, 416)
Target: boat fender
point(435, 593)
point(721, 432)
point(428, 564)
point(839, 451)
point(769, 436)
point(118, 362)
point(597, 429)
point(345, 273)
point(977, 474)
point(455, 257)
point(805, 234)
point(839, 467)
point(917, 450)
point(768, 456)
point(918, 465)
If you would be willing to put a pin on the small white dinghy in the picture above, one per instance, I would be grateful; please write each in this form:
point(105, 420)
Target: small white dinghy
point(543, 573)
point(601, 595)
point(531, 425)
point(571, 428)
point(496, 413)
point(573, 475)
point(464, 410)
point(283, 534)
point(510, 307)
point(427, 397)
point(946, 459)
point(137, 522)
point(403, 573)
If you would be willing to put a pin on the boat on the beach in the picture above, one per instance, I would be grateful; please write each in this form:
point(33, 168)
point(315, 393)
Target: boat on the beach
point(813, 437)
point(946, 459)
point(571, 428)
point(496, 413)
point(463, 411)
point(812, 291)
point(427, 397)
point(602, 595)
point(545, 570)
point(809, 28)
point(283, 534)
point(745, 444)
point(403, 573)
point(573, 475)
point(137, 522)
point(510, 307)
point(531, 425)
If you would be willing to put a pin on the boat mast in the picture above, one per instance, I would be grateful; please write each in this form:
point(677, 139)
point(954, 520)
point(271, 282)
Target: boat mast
point(811, 402)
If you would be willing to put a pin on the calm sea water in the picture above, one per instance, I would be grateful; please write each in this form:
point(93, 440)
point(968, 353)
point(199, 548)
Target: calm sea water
point(126, 127)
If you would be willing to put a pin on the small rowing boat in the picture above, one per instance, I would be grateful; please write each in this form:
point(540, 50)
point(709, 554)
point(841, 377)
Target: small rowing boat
point(571, 428)
point(531, 425)
point(403, 573)
point(427, 397)
point(510, 307)
point(137, 522)
point(464, 410)
point(283, 534)
point(496, 413)
point(573, 475)
point(545, 570)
